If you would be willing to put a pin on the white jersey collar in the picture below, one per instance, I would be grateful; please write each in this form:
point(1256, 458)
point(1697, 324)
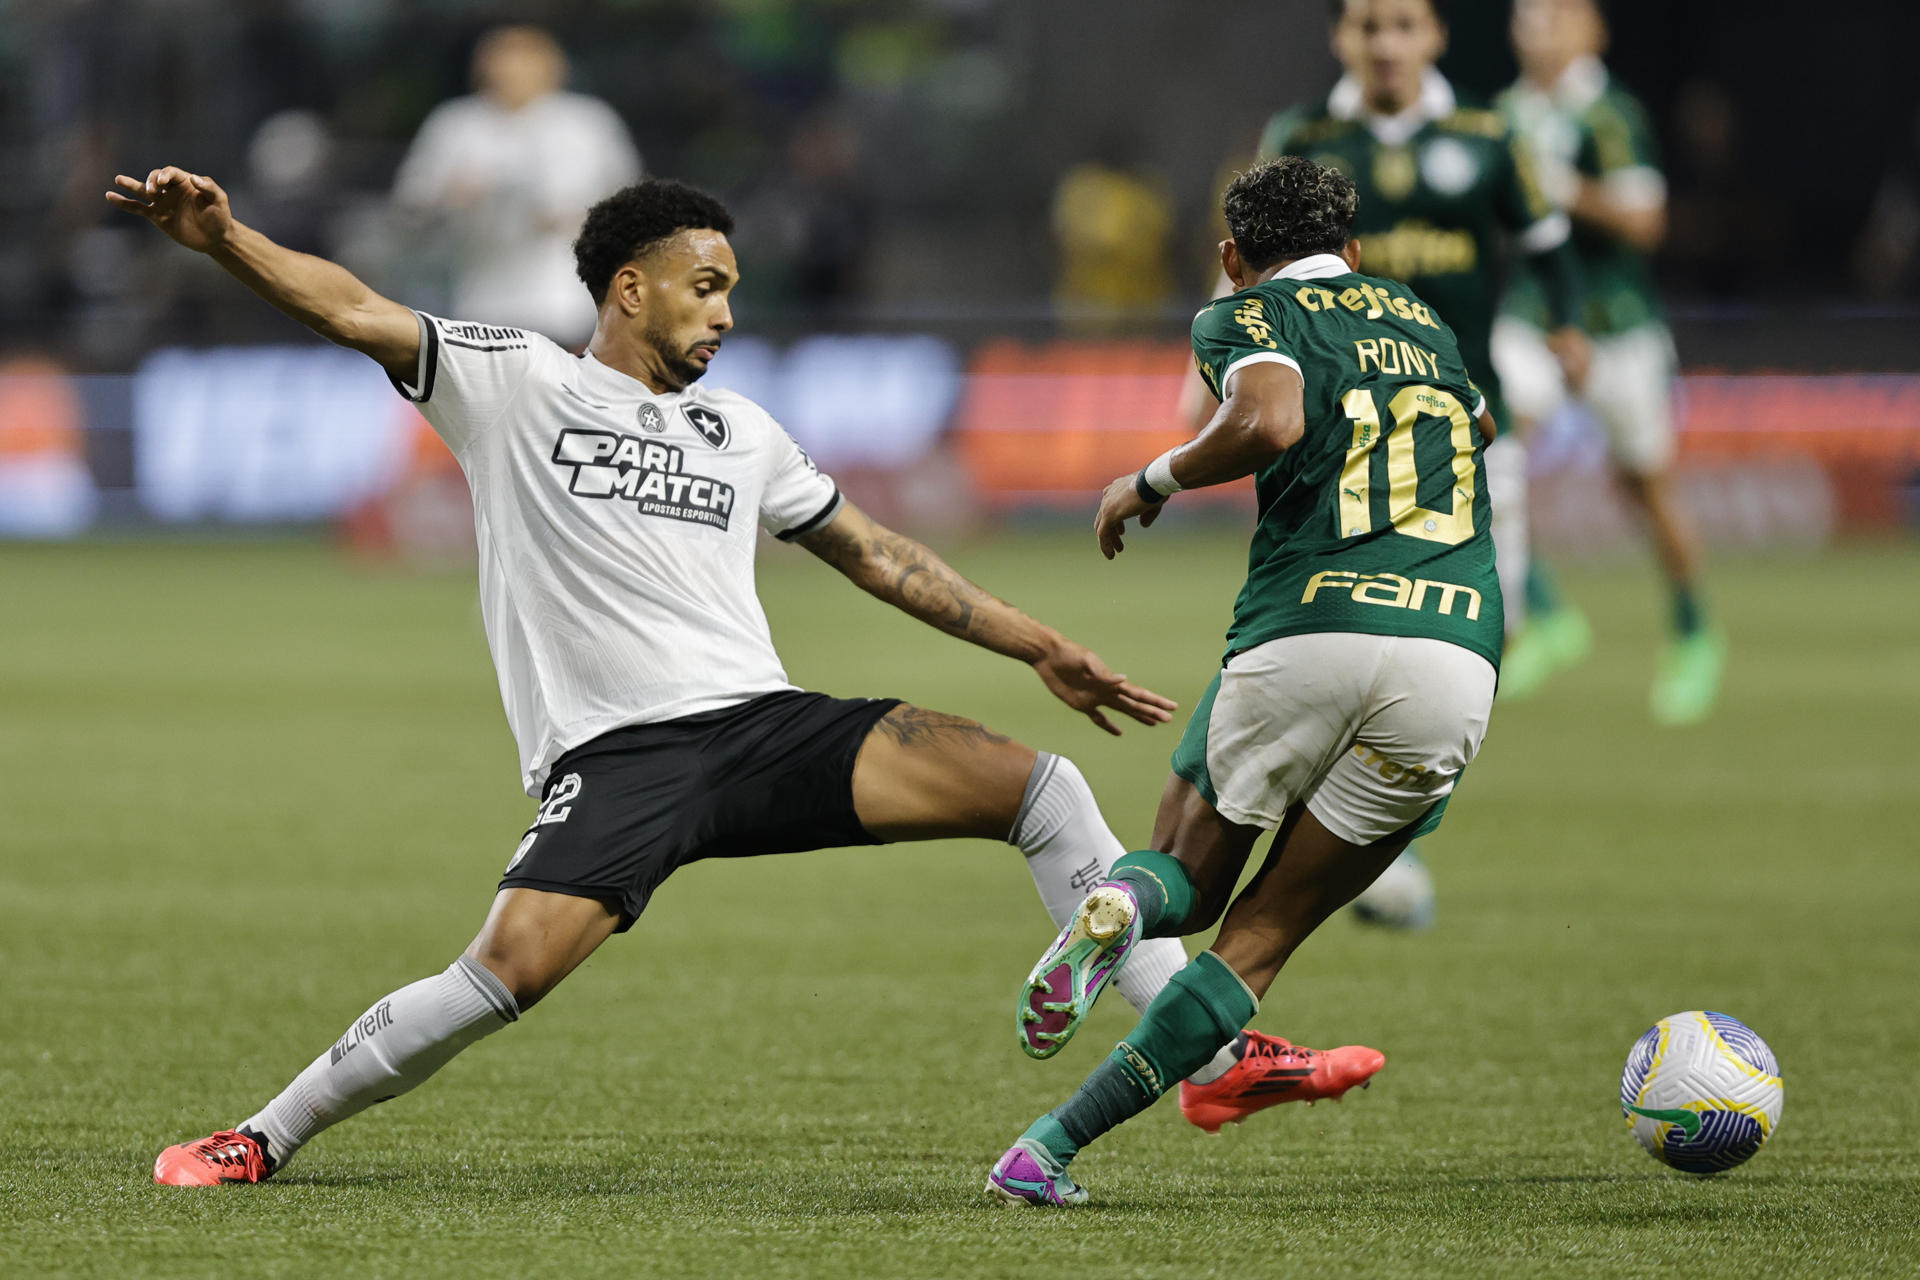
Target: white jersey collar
point(1315, 266)
point(604, 377)
point(1435, 101)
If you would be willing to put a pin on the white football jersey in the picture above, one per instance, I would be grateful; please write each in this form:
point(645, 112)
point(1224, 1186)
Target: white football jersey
point(616, 528)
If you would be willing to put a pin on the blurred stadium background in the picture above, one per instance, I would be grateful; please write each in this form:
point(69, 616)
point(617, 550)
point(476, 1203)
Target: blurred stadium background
point(972, 234)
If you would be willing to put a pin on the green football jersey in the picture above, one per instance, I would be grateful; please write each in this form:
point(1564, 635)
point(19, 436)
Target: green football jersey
point(1609, 139)
point(1377, 519)
point(1435, 212)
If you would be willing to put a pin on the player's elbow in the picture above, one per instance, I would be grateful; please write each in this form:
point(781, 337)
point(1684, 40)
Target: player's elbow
point(353, 325)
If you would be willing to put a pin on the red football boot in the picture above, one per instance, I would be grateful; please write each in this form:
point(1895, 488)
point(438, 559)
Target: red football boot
point(1272, 1071)
point(227, 1156)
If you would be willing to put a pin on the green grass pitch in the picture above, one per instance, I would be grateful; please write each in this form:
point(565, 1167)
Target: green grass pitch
point(249, 788)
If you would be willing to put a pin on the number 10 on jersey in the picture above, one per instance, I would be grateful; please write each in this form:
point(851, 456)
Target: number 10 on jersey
point(1409, 408)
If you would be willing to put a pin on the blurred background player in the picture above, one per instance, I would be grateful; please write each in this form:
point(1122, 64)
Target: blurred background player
point(1112, 224)
point(1593, 148)
point(1447, 197)
point(507, 173)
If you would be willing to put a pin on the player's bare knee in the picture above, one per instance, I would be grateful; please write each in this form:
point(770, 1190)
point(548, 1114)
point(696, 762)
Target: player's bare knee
point(523, 975)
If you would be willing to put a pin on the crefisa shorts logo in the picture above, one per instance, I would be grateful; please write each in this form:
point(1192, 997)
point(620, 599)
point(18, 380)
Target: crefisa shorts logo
point(711, 426)
point(652, 420)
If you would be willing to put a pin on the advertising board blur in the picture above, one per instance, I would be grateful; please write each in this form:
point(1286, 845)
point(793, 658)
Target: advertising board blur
point(271, 435)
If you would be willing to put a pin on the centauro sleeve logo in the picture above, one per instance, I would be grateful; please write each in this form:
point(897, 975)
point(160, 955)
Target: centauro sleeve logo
point(649, 473)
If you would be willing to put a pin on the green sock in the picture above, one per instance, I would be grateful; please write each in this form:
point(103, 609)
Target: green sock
point(1199, 1010)
point(1688, 616)
point(1543, 592)
point(1162, 888)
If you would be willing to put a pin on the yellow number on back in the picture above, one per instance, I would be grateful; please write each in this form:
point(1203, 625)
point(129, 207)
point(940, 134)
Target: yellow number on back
point(1411, 404)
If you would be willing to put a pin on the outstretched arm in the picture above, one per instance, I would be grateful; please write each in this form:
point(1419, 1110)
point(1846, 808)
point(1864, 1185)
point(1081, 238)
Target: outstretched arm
point(912, 578)
point(1262, 417)
point(328, 299)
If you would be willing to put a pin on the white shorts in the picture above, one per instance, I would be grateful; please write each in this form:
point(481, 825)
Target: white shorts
point(1629, 388)
point(1372, 732)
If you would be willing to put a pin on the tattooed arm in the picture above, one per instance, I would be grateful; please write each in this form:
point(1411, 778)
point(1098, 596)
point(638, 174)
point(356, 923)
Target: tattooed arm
point(912, 578)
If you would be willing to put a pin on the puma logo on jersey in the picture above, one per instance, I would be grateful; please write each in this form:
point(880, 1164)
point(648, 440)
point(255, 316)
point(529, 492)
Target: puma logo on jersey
point(649, 473)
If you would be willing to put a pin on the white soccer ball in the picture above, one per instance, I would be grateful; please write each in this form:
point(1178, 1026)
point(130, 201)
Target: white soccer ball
point(1402, 898)
point(1701, 1092)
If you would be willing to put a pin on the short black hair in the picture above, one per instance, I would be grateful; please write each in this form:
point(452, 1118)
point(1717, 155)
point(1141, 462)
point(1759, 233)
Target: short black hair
point(1289, 208)
point(633, 220)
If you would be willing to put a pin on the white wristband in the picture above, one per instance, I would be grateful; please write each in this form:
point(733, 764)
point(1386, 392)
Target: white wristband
point(1159, 474)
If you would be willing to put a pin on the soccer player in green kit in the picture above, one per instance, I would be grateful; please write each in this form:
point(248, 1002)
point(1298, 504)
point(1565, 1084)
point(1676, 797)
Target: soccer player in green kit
point(1447, 199)
point(1593, 148)
point(1360, 665)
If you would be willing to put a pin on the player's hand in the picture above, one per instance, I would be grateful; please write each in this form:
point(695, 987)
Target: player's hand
point(190, 208)
point(1119, 504)
point(1574, 350)
point(1078, 678)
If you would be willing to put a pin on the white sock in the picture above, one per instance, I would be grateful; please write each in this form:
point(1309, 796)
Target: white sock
point(1506, 463)
point(1070, 850)
point(389, 1049)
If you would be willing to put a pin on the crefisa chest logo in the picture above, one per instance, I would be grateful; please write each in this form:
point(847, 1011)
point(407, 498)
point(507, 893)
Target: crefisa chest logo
point(711, 426)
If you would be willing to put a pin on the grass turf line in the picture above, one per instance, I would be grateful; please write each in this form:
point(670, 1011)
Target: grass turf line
point(251, 788)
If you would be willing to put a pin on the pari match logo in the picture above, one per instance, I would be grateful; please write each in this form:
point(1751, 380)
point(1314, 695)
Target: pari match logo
point(649, 473)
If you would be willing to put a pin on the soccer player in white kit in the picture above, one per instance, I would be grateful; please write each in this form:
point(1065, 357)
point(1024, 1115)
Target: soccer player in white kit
point(615, 504)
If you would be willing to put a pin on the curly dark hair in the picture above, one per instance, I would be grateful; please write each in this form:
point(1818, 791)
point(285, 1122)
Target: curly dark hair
point(633, 220)
point(1289, 208)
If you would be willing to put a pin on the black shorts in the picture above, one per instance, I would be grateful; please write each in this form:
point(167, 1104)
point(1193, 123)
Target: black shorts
point(621, 813)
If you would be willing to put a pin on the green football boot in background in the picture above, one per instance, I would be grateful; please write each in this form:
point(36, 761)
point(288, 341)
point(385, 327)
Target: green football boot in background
point(1688, 684)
